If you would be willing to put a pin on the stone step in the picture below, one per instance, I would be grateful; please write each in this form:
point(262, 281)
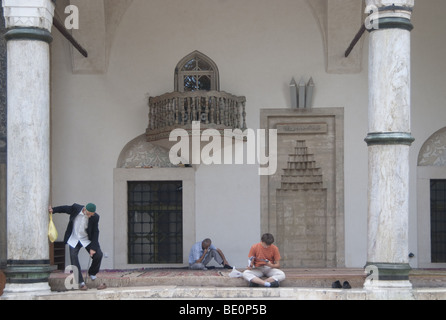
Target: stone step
point(217, 296)
point(301, 284)
point(296, 278)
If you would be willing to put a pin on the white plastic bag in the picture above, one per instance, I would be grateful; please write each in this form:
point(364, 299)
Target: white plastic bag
point(235, 273)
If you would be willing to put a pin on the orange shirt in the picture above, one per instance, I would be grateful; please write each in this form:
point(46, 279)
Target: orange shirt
point(259, 252)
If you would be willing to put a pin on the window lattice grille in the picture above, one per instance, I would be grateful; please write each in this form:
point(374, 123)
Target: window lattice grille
point(438, 221)
point(155, 222)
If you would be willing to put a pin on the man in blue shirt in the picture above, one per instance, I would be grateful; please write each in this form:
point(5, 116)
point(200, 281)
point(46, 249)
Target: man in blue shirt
point(203, 252)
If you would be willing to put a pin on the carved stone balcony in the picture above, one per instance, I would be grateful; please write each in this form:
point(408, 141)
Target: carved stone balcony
point(177, 110)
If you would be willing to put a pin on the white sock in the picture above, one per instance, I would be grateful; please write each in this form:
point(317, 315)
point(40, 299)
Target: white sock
point(267, 284)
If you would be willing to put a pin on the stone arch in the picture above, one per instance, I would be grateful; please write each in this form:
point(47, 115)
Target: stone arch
point(197, 55)
point(433, 152)
point(139, 153)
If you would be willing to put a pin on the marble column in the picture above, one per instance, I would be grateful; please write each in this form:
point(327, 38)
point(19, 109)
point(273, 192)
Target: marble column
point(389, 140)
point(28, 24)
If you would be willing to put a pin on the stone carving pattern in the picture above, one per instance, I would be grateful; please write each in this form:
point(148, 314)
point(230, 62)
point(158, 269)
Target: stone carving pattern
point(142, 154)
point(22, 14)
point(301, 173)
point(433, 152)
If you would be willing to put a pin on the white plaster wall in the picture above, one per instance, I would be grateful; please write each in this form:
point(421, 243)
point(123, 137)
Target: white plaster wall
point(428, 92)
point(258, 45)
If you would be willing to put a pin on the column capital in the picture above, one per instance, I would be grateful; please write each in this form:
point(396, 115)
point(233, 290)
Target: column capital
point(29, 14)
point(389, 14)
point(386, 3)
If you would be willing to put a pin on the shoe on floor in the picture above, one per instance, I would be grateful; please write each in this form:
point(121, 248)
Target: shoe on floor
point(275, 284)
point(102, 287)
point(336, 285)
point(346, 285)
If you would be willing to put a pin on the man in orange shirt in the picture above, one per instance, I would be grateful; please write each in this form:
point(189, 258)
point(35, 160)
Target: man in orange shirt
point(264, 261)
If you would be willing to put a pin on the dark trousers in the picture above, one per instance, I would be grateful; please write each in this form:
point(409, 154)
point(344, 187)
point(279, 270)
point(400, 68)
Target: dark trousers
point(95, 265)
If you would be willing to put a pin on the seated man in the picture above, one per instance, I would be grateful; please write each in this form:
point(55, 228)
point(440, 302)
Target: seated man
point(202, 253)
point(264, 261)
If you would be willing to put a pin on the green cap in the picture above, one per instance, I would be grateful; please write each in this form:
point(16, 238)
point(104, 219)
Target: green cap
point(91, 207)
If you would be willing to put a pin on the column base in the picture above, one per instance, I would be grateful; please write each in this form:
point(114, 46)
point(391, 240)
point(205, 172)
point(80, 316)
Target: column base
point(27, 275)
point(387, 271)
point(387, 276)
point(25, 291)
point(389, 290)
point(383, 284)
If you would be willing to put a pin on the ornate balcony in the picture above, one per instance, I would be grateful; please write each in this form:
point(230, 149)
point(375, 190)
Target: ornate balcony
point(177, 110)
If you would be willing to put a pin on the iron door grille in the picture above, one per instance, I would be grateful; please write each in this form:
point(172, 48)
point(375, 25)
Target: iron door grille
point(155, 222)
point(438, 221)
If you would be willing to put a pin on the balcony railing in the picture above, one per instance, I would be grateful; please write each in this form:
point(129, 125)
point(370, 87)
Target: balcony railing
point(213, 109)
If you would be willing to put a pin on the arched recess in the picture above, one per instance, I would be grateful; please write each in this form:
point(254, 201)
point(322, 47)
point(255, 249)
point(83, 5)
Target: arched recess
point(154, 208)
point(431, 197)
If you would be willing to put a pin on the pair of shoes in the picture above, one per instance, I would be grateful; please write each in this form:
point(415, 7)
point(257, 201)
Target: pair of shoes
point(102, 287)
point(274, 284)
point(337, 285)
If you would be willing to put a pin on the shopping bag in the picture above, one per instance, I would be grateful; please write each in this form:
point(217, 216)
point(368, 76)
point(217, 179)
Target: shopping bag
point(52, 231)
point(235, 273)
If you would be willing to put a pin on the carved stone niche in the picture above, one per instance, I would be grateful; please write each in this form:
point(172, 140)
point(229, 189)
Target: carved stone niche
point(433, 152)
point(303, 203)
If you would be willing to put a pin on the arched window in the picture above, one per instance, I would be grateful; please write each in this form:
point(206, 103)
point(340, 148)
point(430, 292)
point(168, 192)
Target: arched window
point(196, 72)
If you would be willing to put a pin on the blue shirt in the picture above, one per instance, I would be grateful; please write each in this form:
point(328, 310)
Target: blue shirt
point(197, 251)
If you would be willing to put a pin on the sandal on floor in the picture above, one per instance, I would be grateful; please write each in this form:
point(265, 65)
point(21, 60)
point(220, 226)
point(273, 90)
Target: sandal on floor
point(102, 287)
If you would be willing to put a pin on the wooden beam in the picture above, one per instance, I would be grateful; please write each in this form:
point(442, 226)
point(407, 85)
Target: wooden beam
point(355, 40)
point(59, 26)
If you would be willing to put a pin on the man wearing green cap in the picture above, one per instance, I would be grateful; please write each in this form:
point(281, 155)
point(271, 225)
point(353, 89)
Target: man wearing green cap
point(82, 231)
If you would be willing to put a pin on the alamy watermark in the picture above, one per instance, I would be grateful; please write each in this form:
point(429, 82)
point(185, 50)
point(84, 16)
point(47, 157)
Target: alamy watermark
point(72, 20)
point(227, 149)
point(71, 282)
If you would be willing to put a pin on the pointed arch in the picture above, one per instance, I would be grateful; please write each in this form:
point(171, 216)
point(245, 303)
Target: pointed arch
point(196, 71)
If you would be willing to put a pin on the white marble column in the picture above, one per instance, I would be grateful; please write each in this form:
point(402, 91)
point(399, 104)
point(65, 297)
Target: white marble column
point(389, 140)
point(28, 160)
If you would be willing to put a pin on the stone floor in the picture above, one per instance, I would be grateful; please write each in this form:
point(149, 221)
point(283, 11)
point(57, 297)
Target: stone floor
point(296, 278)
point(301, 284)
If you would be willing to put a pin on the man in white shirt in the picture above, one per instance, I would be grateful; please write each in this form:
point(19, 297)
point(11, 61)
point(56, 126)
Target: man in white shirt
point(82, 231)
